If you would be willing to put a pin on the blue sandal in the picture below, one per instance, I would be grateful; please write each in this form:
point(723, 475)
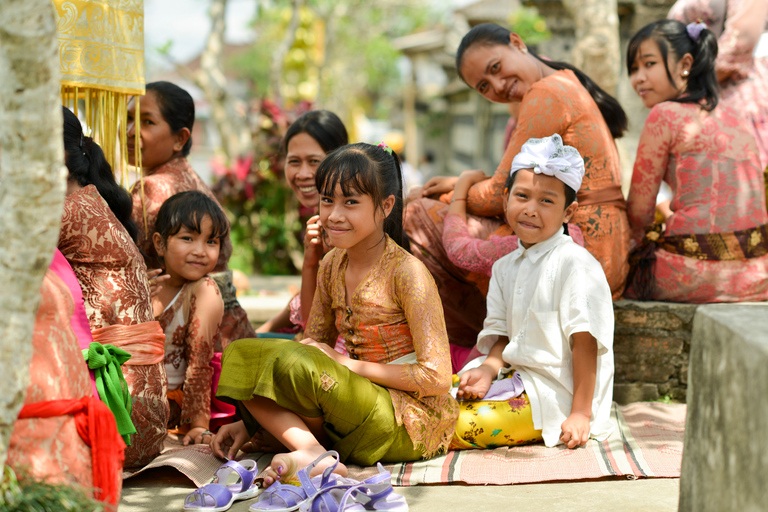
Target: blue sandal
point(218, 497)
point(285, 497)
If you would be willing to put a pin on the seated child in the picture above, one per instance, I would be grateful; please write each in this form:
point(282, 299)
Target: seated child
point(550, 318)
point(188, 233)
point(389, 399)
point(476, 254)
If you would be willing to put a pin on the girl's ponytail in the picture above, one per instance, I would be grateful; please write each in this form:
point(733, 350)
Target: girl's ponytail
point(394, 223)
point(694, 39)
point(491, 34)
point(87, 165)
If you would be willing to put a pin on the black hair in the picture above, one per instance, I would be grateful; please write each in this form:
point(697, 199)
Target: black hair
point(188, 209)
point(366, 169)
point(672, 36)
point(491, 34)
point(87, 165)
point(177, 108)
point(323, 126)
point(570, 194)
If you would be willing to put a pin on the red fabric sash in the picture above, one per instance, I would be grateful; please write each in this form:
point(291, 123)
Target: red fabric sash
point(96, 425)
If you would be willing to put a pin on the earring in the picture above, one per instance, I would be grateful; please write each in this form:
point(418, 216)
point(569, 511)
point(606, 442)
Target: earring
point(685, 72)
point(524, 49)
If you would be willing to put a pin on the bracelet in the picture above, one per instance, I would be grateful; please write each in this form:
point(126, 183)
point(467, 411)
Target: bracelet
point(458, 199)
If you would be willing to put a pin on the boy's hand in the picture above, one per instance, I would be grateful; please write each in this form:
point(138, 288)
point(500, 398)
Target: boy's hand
point(575, 430)
point(475, 383)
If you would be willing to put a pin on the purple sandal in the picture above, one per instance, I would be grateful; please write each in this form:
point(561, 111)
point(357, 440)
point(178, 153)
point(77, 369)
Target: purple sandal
point(218, 497)
point(374, 493)
point(283, 497)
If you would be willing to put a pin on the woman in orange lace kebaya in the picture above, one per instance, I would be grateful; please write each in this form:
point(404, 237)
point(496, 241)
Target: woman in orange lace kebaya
point(95, 238)
point(554, 98)
point(714, 247)
point(167, 115)
point(388, 400)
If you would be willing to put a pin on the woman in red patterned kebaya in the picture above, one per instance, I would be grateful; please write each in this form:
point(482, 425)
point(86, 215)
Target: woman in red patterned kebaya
point(714, 246)
point(188, 234)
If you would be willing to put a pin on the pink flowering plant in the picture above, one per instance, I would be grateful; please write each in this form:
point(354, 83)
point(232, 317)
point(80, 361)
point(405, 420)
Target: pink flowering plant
point(265, 217)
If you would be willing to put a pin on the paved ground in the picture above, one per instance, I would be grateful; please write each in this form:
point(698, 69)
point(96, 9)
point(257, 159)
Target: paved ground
point(164, 489)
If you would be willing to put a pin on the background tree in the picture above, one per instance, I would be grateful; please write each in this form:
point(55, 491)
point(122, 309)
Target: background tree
point(597, 41)
point(32, 182)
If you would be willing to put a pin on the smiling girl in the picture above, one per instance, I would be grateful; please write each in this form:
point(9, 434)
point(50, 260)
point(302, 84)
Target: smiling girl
point(388, 400)
point(714, 246)
point(189, 231)
point(166, 117)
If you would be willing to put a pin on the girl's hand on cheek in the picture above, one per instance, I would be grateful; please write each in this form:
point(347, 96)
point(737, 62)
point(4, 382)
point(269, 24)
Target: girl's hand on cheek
point(575, 430)
point(313, 242)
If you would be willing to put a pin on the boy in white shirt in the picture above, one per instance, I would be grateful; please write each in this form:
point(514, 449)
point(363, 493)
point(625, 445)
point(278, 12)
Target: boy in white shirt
point(550, 318)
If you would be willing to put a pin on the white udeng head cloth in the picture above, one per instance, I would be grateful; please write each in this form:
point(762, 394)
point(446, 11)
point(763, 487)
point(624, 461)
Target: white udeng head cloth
point(549, 156)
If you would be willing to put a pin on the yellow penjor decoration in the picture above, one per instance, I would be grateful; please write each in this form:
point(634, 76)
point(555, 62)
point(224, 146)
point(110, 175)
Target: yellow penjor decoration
point(101, 51)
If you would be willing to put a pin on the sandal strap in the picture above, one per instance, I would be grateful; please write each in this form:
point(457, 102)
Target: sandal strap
point(220, 494)
point(246, 476)
point(306, 481)
point(289, 495)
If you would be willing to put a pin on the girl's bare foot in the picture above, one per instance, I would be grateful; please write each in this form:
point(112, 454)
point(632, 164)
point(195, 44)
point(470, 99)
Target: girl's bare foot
point(285, 465)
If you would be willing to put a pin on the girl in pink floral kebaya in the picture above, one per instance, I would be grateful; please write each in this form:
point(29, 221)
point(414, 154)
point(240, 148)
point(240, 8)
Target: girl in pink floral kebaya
point(714, 246)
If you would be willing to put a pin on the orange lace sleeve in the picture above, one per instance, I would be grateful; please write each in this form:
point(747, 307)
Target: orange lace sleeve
point(543, 112)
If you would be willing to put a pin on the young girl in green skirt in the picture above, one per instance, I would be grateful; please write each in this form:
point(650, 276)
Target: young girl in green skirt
point(388, 400)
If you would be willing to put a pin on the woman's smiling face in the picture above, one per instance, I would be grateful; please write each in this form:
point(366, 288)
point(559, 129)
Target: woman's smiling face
point(303, 156)
point(500, 73)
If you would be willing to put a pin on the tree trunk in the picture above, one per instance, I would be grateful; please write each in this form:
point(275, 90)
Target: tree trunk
point(597, 41)
point(278, 58)
point(32, 183)
point(229, 119)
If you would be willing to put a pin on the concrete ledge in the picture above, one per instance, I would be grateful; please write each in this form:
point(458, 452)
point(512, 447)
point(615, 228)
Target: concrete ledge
point(726, 433)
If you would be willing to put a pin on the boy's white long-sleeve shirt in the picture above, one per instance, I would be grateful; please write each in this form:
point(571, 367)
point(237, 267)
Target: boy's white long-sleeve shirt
point(539, 297)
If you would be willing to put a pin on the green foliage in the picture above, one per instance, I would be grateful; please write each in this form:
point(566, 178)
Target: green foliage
point(264, 213)
point(25, 494)
point(531, 27)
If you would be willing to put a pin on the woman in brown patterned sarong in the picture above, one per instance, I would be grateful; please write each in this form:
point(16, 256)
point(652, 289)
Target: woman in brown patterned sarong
point(554, 97)
point(96, 238)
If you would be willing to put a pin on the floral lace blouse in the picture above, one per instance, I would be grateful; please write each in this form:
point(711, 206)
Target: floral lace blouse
point(191, 326)
point(107, 263)
point(395, 311)
point(170, 178)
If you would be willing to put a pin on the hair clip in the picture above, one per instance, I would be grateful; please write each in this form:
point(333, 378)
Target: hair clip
point(386, 148)
point(694, 30)
point(81, 139)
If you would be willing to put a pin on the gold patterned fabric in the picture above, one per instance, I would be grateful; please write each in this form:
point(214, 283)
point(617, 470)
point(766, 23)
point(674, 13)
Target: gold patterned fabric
point(101, 56)
point(395, 311)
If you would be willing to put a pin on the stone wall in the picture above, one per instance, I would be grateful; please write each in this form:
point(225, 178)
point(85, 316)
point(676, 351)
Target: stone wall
point(651, 345)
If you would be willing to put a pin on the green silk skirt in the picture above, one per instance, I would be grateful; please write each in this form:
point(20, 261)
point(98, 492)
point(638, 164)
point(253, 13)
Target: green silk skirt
point(358, 415)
